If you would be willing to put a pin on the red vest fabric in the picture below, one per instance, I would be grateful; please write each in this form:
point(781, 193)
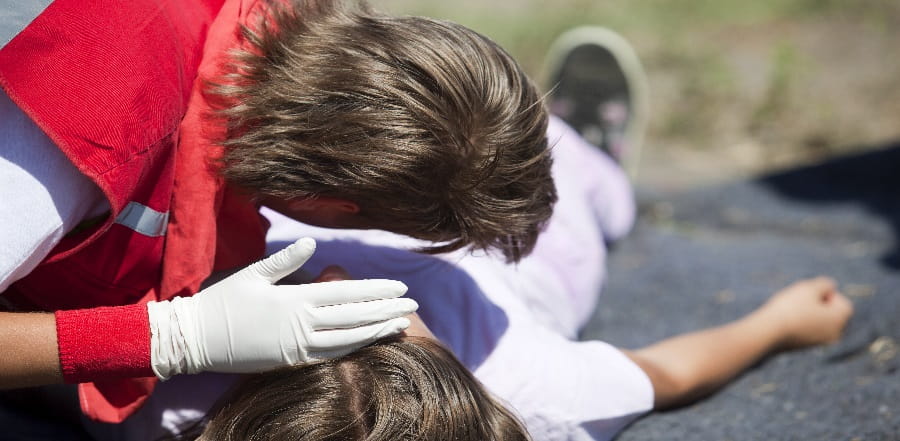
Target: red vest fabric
point(109, 83)
point(198, 244)
point(114, 85)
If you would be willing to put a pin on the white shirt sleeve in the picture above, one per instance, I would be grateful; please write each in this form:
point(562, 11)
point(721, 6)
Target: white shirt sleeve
point(563, 389)
point(42, 195)
point(566, 390)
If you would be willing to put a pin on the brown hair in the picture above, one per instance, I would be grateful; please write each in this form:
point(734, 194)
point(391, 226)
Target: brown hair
point(401, 389)
point(431, 128)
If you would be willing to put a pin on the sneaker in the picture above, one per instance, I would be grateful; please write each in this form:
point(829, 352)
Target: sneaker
point(597, 85)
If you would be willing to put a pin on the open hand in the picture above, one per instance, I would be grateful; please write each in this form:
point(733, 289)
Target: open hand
point(417, 327)
point(248, 323)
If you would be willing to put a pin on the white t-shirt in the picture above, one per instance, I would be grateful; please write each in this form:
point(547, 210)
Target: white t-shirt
point(562, 388)
point(514, 326)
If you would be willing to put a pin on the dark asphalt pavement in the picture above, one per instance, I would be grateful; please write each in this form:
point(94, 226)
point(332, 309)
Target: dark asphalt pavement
point(708, 256)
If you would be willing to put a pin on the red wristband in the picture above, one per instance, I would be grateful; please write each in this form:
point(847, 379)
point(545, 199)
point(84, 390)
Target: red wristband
point(104, 343)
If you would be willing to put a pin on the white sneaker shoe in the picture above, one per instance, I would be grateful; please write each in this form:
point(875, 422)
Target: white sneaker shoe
point(597, 85)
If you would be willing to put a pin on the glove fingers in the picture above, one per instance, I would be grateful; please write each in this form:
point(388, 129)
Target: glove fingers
point(346, 291)
point(352, 315)
point(284, 262)
point(335, 342)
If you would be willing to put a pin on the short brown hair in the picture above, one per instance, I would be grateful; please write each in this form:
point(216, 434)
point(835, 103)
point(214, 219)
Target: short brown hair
point(400, 389)
point(431, 128)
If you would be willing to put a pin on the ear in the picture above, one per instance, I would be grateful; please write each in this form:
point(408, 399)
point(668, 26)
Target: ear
point(323, 212)
point(324, 205)
point(342, 205)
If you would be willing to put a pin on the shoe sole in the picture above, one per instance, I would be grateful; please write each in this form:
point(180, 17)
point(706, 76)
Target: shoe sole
point(634, 73)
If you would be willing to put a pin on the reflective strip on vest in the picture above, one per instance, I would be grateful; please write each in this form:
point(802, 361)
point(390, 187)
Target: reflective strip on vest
point(143, 219)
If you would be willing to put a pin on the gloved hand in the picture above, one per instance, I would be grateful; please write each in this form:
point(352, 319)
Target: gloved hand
point(245, 323)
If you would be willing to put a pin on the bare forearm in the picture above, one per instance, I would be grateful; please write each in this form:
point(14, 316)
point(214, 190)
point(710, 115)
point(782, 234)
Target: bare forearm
point(29, 350)
point(684, 368)
point(688, 366)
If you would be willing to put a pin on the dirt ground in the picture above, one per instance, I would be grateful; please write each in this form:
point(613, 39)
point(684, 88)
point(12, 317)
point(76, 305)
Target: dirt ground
point(737, 88)
point(797, 92)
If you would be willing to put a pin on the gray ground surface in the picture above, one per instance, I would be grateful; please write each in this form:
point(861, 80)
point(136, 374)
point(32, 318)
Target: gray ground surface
point(707, 256)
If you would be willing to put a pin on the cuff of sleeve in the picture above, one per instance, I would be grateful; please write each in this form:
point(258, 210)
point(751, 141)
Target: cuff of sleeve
point(104, 343)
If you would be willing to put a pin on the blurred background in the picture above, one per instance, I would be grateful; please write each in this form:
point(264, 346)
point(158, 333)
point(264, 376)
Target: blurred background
point(737, 87)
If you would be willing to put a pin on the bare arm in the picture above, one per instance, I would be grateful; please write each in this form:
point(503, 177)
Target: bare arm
point(689, 366)
point(28, 352)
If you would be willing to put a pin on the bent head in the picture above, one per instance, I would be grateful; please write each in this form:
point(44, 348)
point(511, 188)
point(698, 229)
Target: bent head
point(399, 389)
point(429, 128)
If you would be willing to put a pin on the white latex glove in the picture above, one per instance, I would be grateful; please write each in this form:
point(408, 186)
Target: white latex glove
point(245, 323)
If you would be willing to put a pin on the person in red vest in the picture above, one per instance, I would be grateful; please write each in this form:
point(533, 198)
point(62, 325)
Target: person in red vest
point(138, 147)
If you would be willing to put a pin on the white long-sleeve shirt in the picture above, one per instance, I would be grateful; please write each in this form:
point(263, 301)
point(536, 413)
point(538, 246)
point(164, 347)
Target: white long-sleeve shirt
point(42, 195)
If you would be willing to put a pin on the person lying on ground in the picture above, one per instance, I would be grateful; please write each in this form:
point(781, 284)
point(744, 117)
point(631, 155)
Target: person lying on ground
point(514, 326)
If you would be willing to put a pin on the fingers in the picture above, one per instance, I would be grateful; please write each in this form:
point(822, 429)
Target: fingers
point(352, 315)
point(337, 342)
point(831, 297)
point(837, 310)
point(842, 305)
point(284, 262)
point(819, 285)
point(346, 291)
point(822, 284)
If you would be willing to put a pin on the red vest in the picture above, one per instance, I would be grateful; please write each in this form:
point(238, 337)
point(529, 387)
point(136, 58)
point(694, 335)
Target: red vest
point(111, 83)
